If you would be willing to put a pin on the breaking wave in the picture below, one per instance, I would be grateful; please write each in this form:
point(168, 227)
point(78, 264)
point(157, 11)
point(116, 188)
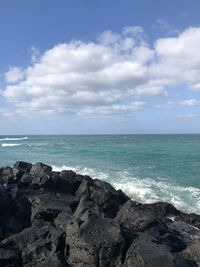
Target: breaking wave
point(13, 138)
point(146, 190)
point(10, 145)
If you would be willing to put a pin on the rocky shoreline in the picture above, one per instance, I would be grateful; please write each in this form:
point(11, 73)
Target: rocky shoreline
point(60, 219)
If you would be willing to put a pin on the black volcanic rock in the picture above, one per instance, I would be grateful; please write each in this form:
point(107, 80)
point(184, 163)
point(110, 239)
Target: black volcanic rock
point(134, 217)
point(62, 219)
point(147, 251)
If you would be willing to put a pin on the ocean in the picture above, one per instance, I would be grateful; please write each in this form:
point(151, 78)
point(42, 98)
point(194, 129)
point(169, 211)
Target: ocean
point(148, 168)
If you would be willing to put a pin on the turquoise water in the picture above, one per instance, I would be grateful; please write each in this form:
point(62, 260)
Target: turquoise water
point(148, 168)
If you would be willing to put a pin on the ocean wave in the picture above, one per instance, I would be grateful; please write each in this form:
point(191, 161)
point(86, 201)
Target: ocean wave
point(14, 138)
point(149, 191)
point(146, 190)
point(10, 145)
point(82, 170)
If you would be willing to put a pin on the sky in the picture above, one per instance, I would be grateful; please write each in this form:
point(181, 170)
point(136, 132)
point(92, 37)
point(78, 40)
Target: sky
point(99, 67)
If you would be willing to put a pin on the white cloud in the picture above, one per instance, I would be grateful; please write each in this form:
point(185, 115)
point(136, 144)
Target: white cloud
point(164, 27)
point(178, 59)
point(14, 74)
point(104, 76)
point(35, 54)
point(191, 103)
point(168, 105)
point(113, 109)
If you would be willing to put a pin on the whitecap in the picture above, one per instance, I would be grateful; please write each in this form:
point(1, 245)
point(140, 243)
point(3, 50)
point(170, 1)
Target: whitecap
point(14, 138)
point(10, 145)
point(148, 190)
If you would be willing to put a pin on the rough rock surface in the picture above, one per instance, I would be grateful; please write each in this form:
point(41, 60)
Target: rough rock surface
point(62, 219)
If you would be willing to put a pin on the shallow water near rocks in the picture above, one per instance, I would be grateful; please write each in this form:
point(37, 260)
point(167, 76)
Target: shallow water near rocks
point(148, 168)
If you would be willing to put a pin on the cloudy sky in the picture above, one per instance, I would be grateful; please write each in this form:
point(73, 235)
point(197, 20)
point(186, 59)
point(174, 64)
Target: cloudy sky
point(95, 67)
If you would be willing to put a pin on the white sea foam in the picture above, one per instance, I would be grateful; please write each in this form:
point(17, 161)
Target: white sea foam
point(10, 145)
point(82, 170)
point(146, 190)
point(14, 138)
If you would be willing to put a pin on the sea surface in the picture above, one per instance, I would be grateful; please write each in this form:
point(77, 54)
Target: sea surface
point(148, 168)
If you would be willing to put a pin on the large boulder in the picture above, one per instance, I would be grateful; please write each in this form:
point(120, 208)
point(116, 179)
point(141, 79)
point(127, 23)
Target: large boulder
point(46, 206)
point(68, 182)
point(103, 194)
point(133, 217)
point(93, 240)
point(9, 176)
point(147, 252)
point(40, 174)
point(38, 246)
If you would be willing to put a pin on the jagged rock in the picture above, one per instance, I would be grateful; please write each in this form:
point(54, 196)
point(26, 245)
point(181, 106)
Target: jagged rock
point(41, 175)
point(68, 182)
point(133, 217)
point(106, 197)
point(9, 176)
point(40, 168)
point(162, 209)
point(48, 205)
point(23, 166)
point(62, 219)
point(147, 252)
point(26, 180)
point(38, 246)
point(93, 240)
point(103, 194)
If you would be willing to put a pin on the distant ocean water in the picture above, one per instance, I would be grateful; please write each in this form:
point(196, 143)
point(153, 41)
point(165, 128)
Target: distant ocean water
point(148, 168)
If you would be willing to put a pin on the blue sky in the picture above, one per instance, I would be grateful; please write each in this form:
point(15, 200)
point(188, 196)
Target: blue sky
point(93, 67)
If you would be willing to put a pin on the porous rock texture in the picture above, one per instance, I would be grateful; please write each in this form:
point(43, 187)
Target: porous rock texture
point(57, 219)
